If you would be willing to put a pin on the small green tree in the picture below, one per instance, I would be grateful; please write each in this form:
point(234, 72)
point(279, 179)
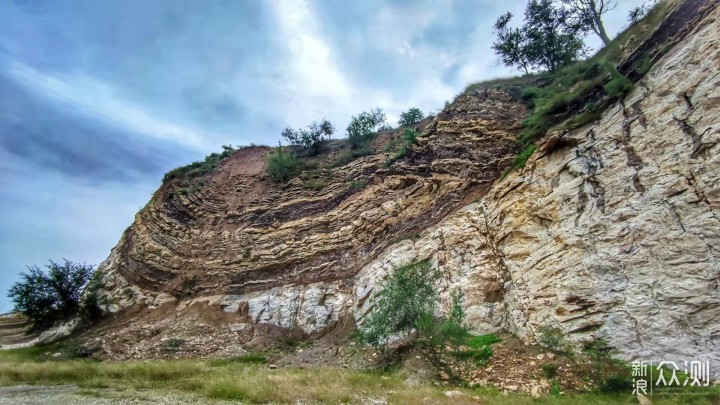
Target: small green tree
point(48, 297)
point(405, 304)
point(282, 165)
point(363, 126)
point(546, 40)
point(511, 44)
point(311, 138)
point(410, 117)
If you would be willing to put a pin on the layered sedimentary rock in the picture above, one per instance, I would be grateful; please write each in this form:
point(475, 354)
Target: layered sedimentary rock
point(611, 231)
point(238, 232)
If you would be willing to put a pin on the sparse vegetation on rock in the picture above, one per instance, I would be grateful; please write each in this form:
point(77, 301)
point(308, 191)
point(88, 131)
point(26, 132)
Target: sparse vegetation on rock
point(198, 168)
point(282, 164)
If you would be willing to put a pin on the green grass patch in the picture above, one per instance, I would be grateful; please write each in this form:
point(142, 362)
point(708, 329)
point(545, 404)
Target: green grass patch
point(248, 358)
point(248, 381)
point(476, 342)
point(199, 168)
point(409, 138)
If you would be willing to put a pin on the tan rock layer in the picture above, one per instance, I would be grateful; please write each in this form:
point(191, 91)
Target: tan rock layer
point(240, 232)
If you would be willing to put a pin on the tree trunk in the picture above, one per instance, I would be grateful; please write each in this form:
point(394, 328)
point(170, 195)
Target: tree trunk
point(600, 28)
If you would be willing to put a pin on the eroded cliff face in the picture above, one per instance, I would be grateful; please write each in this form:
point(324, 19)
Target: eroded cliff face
point(611, 230)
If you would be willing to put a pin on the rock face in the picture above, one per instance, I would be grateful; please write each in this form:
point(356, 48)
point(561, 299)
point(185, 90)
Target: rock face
point(239, 232)
point(610, 231)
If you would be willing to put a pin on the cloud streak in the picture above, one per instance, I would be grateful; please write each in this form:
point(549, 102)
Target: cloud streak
point(83, 94)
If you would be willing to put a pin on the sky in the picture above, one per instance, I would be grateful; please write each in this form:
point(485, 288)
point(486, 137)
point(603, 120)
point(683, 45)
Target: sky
point(99, 98)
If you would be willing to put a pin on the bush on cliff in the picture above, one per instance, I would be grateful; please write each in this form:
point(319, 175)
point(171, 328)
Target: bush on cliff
point(48, 297)
point(311, 138)
point(282, 165)
point(406, 307)
point(411, 117)
point(362, 127)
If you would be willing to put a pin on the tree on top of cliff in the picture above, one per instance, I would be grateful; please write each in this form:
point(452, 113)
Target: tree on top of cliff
point(587, 15)
point(545, 40)
point(411, 117)
point(363, 126)
point(309, 139)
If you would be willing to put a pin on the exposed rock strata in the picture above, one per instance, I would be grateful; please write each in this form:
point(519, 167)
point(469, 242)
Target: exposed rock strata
point(610, 231)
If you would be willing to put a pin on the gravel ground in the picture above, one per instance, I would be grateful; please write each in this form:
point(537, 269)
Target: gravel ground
point(71, 395)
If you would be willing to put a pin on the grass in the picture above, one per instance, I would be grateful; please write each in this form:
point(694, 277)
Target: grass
point(409, 137)
point(247, 379)
point(199, 168)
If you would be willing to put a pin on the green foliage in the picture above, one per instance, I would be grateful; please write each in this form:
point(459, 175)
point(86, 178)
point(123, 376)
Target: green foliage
point(48, 297)
point(476, 342)
point(637, 13)
point(409, 137)
point(311, 138)
point(520, 160)
point(363, 126)
point(608, 374)
point(619, 85)
point(479, 348)
point(197, 168)
point(553, 338)
point(643, 66)
point(314, 184)
point(550, 370)
point(282, 165)
point(411, 117)
point(406, 303)
point(544, 41)
point(172, 345)
point(256, 358)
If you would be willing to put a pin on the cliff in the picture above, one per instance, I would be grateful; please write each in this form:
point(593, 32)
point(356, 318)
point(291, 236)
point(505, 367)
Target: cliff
point(610, 230)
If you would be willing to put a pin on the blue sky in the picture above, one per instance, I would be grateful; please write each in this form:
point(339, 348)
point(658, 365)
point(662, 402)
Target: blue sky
point(99, 98)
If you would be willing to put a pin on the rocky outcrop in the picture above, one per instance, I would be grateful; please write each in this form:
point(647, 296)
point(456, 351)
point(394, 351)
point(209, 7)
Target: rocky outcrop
point(611, 231)
point(238, 232)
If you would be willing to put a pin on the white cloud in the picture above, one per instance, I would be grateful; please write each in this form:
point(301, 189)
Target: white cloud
point(99, 100)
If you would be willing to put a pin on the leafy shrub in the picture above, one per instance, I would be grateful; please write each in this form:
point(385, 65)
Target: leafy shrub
point(553, 339)
point(172, 345)
point(406, 303)
point(609, 375)
point(529, 95)
point(619, 86)
point(309, 139)
point(550, 370)
point(363, 126)
point(643, 66)
point(409, 138)
point(282, 165)
point(411, 117)
point(48, 297)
